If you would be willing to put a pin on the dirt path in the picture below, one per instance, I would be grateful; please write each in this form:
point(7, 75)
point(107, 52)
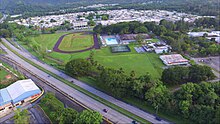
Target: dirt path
point(95, 46)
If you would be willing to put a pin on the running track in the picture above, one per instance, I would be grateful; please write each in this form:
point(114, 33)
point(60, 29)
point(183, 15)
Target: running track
point(95, 46)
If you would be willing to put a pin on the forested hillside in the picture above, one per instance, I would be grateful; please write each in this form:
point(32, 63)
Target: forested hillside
point(201, 7)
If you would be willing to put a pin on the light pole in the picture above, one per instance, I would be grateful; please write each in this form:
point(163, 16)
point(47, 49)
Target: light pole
point(156, 109)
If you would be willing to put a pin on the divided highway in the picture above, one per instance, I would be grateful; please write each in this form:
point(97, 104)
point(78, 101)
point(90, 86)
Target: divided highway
point(113, 115)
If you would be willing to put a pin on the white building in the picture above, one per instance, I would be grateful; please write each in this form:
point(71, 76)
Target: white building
point(174, 59)
point(18, 93)
point(162, 49)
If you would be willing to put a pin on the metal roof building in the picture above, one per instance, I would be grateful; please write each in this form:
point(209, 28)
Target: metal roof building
point(18, 91)
point(174, 59)
point(4, 97)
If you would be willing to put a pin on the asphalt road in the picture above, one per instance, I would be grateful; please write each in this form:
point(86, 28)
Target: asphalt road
point(213, 63)
point(91, 103)
point(38, 116)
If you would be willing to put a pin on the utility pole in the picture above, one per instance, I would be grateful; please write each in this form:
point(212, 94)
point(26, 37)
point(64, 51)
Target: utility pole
point(156, 109)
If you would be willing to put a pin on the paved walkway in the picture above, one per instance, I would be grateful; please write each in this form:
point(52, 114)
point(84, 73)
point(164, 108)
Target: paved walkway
point(95, 46)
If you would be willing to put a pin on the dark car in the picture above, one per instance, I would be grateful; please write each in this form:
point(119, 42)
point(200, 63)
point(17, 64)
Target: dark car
point(134, 122)
point(105, 110)
point(157, 118)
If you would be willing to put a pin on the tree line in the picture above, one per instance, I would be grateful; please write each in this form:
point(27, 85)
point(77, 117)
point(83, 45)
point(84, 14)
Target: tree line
point(154, 92)
point(180, 75)
point(32, 8)
point(173, 33)
point(58, 114)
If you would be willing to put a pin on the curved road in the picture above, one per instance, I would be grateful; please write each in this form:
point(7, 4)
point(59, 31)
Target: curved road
point(112, 114)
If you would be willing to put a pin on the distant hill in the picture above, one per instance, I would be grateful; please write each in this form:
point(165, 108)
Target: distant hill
point(203, 7)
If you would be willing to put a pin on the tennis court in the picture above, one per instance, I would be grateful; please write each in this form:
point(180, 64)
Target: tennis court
point(119, 49)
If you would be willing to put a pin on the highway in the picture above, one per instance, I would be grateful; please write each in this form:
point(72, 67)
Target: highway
point(89, 102)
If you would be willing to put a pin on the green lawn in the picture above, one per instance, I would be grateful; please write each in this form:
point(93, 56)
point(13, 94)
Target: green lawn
point(76, 41)
point(154, 40)
point(3, 73)
point(47, 40)
point(140, 63)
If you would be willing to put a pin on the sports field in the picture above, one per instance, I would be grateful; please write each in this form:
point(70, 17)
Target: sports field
point(76, 41)
point(47, 40)
point(140, 63)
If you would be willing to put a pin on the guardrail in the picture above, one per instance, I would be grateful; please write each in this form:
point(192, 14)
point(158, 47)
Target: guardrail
point(54, 87)
point(35, 99)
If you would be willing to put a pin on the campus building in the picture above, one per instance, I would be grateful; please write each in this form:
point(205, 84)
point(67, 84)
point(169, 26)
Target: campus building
point(17, 94)
point(174, 59)
point(109, 40)
point(128, 38)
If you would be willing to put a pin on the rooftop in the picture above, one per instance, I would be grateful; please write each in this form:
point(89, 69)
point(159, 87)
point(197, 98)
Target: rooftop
point(18, 91)
point(173, 59)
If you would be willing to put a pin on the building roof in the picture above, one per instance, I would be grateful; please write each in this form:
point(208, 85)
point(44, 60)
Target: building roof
point(4, 97)
point(18, 91)
point(132, 36)
point(22, 89)
point(173, 59)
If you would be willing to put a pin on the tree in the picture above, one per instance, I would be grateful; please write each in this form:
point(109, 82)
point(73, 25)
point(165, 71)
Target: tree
point(21, 117)
point(184, 107)
point(91, 23)
point(141, 85)
point(213, 49)
point(78, 67)
point(169, 25)
point(116, 80)
point(5, 33)
point(175, 75)
point(88, 117)
point(139, 38)
point(98, 29)
point(141, 29)
point(157, 95)
point(205, 35)
point(91, 58)
point(52, 20)
point(68, 116)
point(105, 17)
point(198, 73)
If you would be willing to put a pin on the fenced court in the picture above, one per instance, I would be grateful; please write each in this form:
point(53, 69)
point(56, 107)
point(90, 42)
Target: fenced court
point(119, 49)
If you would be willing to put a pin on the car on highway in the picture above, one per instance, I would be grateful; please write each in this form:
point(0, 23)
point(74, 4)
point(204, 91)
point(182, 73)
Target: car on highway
point(105, 110)
point(157, 118)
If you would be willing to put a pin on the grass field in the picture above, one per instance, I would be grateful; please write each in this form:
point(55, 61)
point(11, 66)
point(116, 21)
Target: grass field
point(3, 73)
point(47, 40)
point(154, 40)
point(140, 63)
point(76, 41)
